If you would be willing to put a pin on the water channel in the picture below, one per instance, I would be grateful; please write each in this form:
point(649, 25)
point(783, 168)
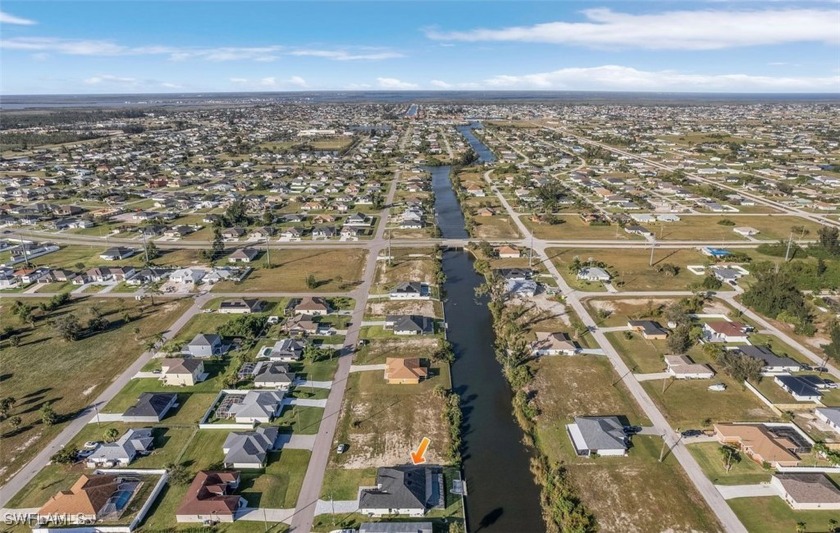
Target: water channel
point(503, 497)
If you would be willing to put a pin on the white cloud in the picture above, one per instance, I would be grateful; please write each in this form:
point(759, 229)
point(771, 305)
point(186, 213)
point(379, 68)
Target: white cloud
point(239, 80)
point(297, 81)
point(270, 53)
point(621, 78)
point(394, 83)
point(344, 55)
point(681, 30)
point(440, 84)
point(110, 79)
point(269, 81)
point(6, 18)
point(168, 85)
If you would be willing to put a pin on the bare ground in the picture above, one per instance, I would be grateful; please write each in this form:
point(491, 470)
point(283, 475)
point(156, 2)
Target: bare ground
point(417, 307)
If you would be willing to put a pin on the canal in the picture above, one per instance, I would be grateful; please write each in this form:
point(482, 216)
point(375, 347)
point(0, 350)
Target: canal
point(485, 155)
point(503, 497)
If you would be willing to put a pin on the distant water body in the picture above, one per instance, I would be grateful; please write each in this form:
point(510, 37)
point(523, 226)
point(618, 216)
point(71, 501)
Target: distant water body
point(18, 102)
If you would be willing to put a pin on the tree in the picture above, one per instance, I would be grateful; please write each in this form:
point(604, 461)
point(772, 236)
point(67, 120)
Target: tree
point(680, 338)
point(218, 247)
point(48, 415)
point(178, 474)
point(235, 213)
point(68, 327)
point(6, 405)
point(111, 434)
point(821, 267)
point(311, 282)
point(15, 422)
point(731, 456)
point(151, 253)
point(711, 283)
point(832, 350)
point(829, 239)
point(66, 455)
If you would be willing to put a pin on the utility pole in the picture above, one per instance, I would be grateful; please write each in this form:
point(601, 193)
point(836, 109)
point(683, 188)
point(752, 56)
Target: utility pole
point(652, 249)
point(531, 252)
point(662, 451)
point(145, 248)
point(25, 254)
point(389, 249)
point(787, 252)
point(268, 251)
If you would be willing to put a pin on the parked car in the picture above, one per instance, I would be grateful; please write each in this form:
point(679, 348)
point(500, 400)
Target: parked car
point(90, 445)
point(631, 430)
point(341, 448)
point(691, 433)
point(82, 454)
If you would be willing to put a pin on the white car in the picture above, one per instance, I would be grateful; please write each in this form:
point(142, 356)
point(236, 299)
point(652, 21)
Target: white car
point(90, 445)
point(341, 448)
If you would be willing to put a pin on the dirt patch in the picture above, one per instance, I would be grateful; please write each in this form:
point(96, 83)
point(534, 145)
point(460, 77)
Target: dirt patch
point(88, 390)
point(387, 307)
point(414, 269)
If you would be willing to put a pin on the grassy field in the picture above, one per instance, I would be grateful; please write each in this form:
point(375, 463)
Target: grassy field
point(638, 493)
point(334, 270)
point(632, 267)
point(381, 422)
point(278, 486)
point(377, 350)
point(698, 228)
point(773, 515)
point(494, 228)
point(407, 264)
point(344, 483)
point(747, 472)
point(75, 372)
point(575, 229)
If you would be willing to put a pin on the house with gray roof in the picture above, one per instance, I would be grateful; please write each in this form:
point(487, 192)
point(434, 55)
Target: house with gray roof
point(275, 375)
point(258, 406)
point(773, 363)
point(404, 490)
point(807, 490)
point(830, 416)
point(284, 350)
point(249, 449)
point(593, 274)
point(396, 527)
point(410, 290)
point(132, 443)
point(602, 435)
point(205, 345)
point(150, 407)
point(410, 324)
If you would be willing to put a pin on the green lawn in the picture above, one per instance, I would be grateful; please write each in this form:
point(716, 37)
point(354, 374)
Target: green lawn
point(745, 472)
point(643, 356)
point(75, 372)
point(574, 229)
point(344, 483)
point(192, 407)
point(300, 420)
point(278, 486)
point(773, 515)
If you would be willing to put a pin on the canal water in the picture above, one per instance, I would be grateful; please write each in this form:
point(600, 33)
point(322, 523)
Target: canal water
point(485, 155)
point(503, 497)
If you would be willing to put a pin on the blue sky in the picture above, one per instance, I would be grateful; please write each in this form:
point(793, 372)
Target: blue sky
point(195, 46)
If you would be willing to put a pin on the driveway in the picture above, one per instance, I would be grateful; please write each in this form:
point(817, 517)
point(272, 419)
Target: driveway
point(747, 491)
point(367, 368)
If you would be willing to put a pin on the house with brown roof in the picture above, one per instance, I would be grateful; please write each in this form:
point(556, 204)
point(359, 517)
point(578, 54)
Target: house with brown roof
point(312, 305)
point(404, 371)
point(508, 252)
point(807, 490)
point(758, 443)
point(557, 343)
point(725, 331)
point(85, 501)
point(210, 498)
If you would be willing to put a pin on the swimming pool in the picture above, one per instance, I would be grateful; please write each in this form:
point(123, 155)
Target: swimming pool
point(120, 499)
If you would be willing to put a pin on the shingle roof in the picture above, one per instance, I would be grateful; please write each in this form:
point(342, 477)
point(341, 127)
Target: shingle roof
point(601, 432)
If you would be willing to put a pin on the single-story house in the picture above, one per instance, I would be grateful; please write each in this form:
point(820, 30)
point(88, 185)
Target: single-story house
point(132, 443)
point(404, 490)
point(242, 306)
point(773, 364)
point(258, 407)
point(210, 498)
point(831, 417)
point(726, 331)
point(602, 435)
point(117, 253)
point(410, 324)
point(593, 274)
point(187, 276)
point(301, 324)
point(275, 375)
point(758, 443)
point(243, 255)
point(649, 329)
point(807, 490)
point(86, 501)
point(682, 367)
point(182, 372)
point(150, 407)
point(232, 233)
point(285, 350)
point(800, 388)
point(312, 305)
point(521, 288)
point(508, 252)
point(205, 345)
point(249, 449)
point(557, 343)
point(404, 371)
point(410, 290)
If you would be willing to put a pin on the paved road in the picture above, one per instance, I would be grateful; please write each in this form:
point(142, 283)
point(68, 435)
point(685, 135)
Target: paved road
point(25, 475)
point(311, 489)
point(707, 490)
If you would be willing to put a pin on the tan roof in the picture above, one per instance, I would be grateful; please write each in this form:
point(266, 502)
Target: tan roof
point(408, 368)
point(178, 365)
point(759, 441)
point(507, 250)
point(87, 496)
point(552, 341)
point(682, 364)
point(209, 493)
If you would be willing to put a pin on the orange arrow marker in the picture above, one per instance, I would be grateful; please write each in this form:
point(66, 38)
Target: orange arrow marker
point(418, 456)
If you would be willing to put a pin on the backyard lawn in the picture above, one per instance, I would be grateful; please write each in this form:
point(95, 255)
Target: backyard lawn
point(773, 515)
point(745, 472)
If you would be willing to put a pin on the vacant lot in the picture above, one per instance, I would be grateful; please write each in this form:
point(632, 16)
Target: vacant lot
point(334, 270)
point(407, 264)
point(494, 228)
point(637, 493)
point(68, 374)
point(381, 423)
point(700, 228)
point(377, 350)
point(631, 267)
point(574, 228)
point(773, 515)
